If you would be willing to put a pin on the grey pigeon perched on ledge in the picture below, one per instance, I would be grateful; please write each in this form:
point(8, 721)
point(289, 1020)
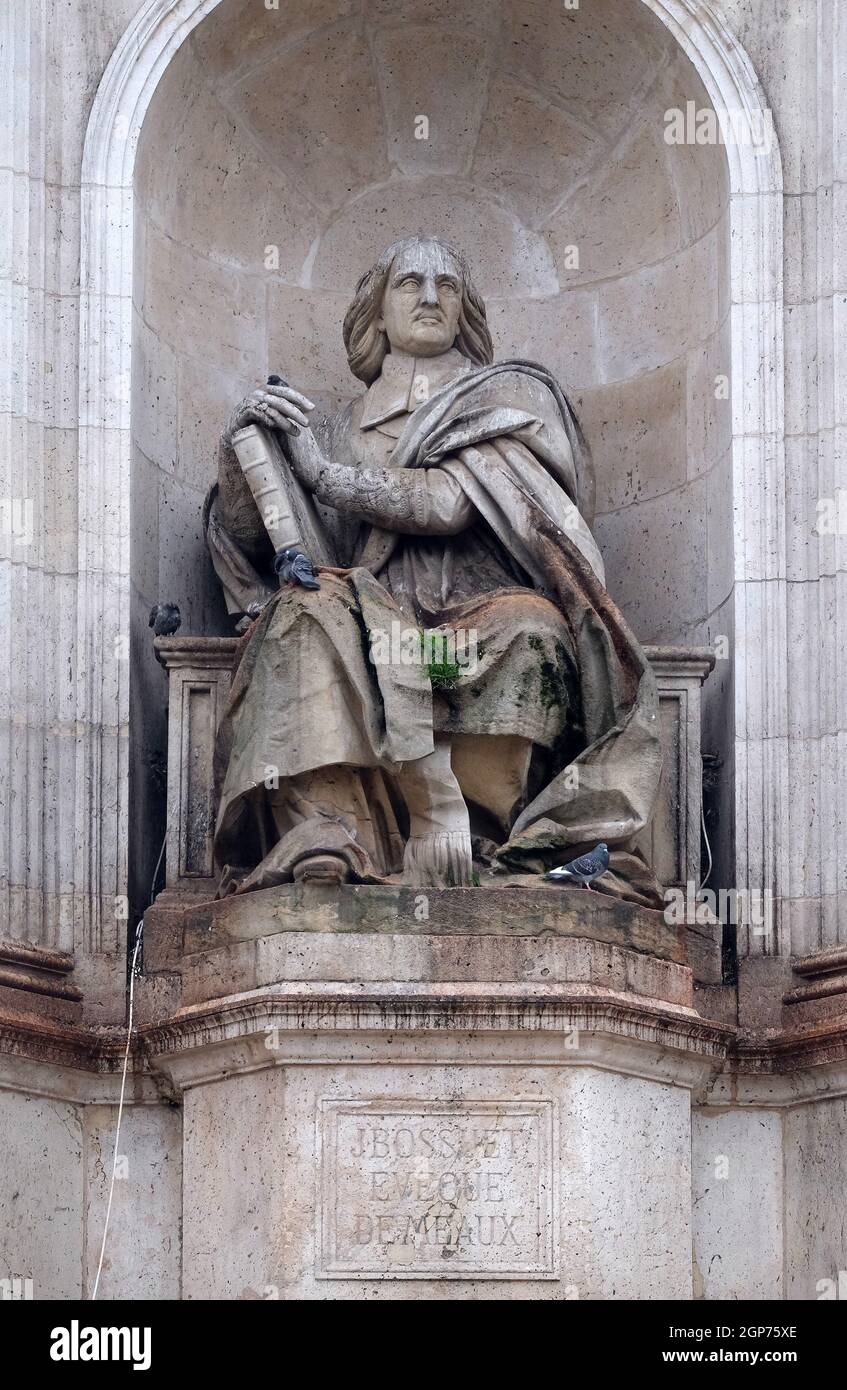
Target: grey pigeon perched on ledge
point(294, 567)
point(583, 870)
point(165, 619)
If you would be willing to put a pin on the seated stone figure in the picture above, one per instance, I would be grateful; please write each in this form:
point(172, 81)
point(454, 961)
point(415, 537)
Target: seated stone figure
point(455, 494)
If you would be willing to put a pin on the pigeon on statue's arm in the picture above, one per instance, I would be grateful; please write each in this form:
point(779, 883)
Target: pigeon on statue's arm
point(294, 567)
point(583, 870)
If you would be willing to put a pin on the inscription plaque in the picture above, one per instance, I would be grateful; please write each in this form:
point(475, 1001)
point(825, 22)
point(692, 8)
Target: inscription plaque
point(437, 1190)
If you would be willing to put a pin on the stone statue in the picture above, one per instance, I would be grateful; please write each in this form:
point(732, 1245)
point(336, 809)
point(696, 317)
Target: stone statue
point(458, 698)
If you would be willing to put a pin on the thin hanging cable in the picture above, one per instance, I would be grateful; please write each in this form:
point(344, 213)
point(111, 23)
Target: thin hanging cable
point(126, 1063)
point(156, 871)
point(708, 847)
point(120, 1107)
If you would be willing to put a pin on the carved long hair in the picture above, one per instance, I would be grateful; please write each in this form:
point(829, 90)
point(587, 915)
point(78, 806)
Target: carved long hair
point(367, 345)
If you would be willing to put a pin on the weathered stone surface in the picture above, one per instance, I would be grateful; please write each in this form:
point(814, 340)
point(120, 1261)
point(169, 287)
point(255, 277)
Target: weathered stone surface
point(449, 90)
point(637, 433)
point(655, 314)
point(143, 1251)
point(591, 68)
point(303, 341)
point(188, 292)
point(237, 37)
point(247, 1180)
point(376, 935)
point(529, 1170)
point(624, 212)
point(533, 153)
point(678, 568)
point(566, 912)
point(319, 95)
point(514, 262)
point(815, 1176)
point(560, 328)
point(41, 1194)
point(737, 1185)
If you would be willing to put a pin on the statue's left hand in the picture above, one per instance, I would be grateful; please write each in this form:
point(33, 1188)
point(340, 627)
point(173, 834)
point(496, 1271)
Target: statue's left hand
point(288, 410)
point(281, 407)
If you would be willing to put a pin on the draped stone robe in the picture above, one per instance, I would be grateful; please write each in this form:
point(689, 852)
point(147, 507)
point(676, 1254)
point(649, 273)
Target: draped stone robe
point(455, 507)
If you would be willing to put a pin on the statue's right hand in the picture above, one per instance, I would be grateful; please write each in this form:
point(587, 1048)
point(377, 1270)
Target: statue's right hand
point(275, 407)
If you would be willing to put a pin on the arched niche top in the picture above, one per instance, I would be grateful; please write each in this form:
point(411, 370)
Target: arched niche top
point(734, 90)
point(161, 26)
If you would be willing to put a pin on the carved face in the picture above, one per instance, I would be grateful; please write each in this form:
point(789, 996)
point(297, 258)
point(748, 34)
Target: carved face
point(422, 300)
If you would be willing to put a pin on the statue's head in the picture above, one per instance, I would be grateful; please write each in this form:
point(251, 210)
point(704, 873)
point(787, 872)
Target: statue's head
point(418, 298)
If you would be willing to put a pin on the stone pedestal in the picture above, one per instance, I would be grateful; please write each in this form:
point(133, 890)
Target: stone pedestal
point(457, 1093)
point(477, 1093)
point(492, 1093)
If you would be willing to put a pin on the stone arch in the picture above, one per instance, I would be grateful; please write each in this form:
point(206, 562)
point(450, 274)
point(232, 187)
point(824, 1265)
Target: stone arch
point(147, 47)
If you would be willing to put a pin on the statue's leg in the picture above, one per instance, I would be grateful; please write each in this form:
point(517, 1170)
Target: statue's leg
point(309, 718)
point(327, 793)
point(492, 771)
point(438, 851)
point(334, 812)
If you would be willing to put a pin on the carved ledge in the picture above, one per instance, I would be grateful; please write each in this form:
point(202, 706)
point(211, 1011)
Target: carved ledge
point(178, 651)
point(398, 938)
point(680, 661)
point(821, 963)
point(824, 995)
point(311, 1023)
point(37, 1038)
point(578, 1024)
point(43, 971)
point(794, 1049)
point(493, 910)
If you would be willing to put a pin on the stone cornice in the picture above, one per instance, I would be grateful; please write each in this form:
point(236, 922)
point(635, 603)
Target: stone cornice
point(422, 1024)
point(37, 970)
point(792, 1050)
point(581, 1025)
point(488, 1007)
point(48, 1040)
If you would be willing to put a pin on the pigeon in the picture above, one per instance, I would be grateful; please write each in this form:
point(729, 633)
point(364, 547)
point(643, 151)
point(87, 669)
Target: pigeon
point(584, 869)
point(295, 567)
point(165, 619)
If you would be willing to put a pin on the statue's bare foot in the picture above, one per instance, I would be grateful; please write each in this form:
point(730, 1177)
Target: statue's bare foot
point(329, 869)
